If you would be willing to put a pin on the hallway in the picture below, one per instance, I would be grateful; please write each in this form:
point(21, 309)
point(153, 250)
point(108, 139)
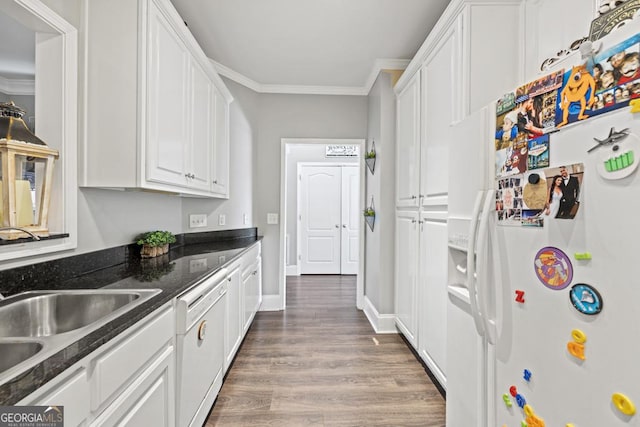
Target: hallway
point(320, 363)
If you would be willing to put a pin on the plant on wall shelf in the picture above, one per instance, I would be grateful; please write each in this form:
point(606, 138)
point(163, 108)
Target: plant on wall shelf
point(370, 157)
point(155, 243)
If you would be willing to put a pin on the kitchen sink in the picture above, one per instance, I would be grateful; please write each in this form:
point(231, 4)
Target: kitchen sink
point(41, 314)
point(14, 353)
point(35, 325)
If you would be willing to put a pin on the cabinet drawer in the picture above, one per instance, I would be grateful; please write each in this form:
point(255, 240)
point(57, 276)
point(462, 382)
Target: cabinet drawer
point(116, 367)
point(249, 258)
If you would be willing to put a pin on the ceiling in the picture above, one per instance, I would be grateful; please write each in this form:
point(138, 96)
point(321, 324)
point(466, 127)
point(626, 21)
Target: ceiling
point(18, 55)
point(331, 44)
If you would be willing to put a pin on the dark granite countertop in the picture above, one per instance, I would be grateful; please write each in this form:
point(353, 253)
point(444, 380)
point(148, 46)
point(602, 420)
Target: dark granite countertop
point(173, 273)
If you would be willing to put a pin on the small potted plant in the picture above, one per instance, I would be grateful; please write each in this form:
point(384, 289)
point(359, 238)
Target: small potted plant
point(370, 157)
point(155, 243)
point(370, 215)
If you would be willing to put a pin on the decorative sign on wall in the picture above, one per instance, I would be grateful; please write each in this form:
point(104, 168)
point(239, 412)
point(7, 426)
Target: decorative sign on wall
point(342, 151)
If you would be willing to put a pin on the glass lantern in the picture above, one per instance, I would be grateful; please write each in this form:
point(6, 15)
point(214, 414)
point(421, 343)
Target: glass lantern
point(26, 175)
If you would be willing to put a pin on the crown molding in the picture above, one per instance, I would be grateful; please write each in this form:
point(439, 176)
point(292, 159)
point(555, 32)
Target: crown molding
point(17, 86)
point(378, 66)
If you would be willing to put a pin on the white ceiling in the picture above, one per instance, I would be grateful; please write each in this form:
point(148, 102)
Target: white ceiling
point(17, 51)
point(320, 43)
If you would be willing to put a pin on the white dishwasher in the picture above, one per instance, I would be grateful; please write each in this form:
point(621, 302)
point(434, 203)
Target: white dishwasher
point(200, 341)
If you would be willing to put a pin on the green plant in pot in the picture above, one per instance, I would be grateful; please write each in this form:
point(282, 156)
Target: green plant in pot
point(370, 154)
point(155, 243)
point(369, 212)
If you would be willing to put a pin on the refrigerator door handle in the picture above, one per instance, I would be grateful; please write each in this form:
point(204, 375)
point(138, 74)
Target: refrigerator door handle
point(486, 263)
point(472, 285)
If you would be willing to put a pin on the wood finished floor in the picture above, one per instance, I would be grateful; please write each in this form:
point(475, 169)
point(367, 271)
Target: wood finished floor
point(320, 363)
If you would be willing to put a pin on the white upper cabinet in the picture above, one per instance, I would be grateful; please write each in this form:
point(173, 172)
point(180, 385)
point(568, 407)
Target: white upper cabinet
point(152, 102)
point(548, 31)
point(167, 125)
point(408, 144)
point(220, 172)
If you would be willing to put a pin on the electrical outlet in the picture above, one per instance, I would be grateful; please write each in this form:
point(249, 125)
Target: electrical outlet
point(245, 219)
point(197, 265)
point(272, 218)
point(222, 219)
point(222, 259)
point(197, 220)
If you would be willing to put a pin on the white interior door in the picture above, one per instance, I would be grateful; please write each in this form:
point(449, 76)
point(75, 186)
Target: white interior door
point(320, 219)
point(350, 244)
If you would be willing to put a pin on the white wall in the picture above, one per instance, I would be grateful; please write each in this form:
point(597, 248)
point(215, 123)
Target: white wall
point(294, 116)
point(379, 244)
point(313, 152)
point(243, 118)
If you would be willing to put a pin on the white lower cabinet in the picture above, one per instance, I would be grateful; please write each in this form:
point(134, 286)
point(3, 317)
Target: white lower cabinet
point(421, 285)
point(129, 381)
point(233, 325)
point(405, 272)
point(148, 401)
point(432, 292)
point(252, 292)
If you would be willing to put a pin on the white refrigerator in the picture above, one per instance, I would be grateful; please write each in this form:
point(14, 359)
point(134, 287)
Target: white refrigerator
point(543, 324)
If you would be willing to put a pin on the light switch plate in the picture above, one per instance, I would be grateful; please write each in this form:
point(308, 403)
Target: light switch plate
point(197, 220)
point(222, 219)
point(245, 219)
point(272, 218)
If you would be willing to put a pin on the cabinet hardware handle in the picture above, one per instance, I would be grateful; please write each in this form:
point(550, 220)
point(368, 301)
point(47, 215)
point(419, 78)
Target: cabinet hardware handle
point(202, 330)
point(413, 221)
point(337, 226)
point(215, 181)
point(413, 197)
point(229, 279)
point(187, 175)
point(344, 226)
point(193, 176)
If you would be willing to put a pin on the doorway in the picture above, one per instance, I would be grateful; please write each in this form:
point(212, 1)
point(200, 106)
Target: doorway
point(328, 217)
point(293, 152)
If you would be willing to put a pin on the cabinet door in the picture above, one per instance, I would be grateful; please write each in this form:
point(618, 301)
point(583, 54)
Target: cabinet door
point(257, 287)
point(549, 30)
point(149, 401)
point(167, 94)
point(405, 274)
point(72, 393)
point(220, 180)
point(438, 98)
point(408, 144)
point(201, 138)
point(247, 309)
point(432, 292)
point(233, 332)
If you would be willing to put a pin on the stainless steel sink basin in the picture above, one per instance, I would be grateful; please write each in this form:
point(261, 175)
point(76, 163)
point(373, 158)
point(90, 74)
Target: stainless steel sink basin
point(35, 325)
point(14, 353)
point(38, 314)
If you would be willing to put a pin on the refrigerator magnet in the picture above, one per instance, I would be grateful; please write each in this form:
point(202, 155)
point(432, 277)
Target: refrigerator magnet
point(586, 299)
point(553, 268)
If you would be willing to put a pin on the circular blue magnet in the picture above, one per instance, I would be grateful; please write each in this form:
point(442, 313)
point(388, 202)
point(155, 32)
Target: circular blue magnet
point(586, 299)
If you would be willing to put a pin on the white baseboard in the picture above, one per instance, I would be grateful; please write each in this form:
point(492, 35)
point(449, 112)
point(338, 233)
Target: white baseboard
point(292, 270)
point(271, 303)
point(434, 368)
point(381, 323)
